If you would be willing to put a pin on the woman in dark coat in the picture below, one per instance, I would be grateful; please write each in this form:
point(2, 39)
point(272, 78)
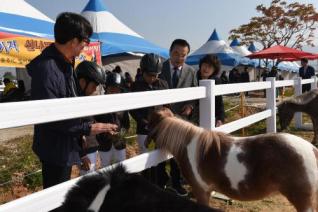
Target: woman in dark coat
point(209, 68)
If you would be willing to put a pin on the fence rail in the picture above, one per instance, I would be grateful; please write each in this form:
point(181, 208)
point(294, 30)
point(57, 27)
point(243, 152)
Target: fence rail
point(42, 111)
point(283, 83)
point(35, 112)
point(240, 87)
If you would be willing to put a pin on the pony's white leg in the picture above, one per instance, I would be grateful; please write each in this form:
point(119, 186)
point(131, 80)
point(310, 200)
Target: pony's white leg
point(141, 143)
point(92, 158)
point(120, 155)
point(105, 157)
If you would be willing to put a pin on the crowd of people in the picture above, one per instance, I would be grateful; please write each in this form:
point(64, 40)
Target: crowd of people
point(61, 144)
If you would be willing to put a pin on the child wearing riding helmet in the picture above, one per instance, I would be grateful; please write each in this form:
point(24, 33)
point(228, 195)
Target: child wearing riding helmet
point(112, 148)
point(89, 76)
point(150, 65)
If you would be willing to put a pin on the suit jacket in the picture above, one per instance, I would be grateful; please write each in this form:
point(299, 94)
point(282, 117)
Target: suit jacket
point(309, 72)
point(186, 79)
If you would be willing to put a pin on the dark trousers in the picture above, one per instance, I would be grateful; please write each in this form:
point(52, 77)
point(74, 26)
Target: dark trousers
point(162, 176)
point(306, 87)
point(53, 174)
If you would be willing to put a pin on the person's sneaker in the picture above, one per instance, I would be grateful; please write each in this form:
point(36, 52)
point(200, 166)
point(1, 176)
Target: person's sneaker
point(179, 190)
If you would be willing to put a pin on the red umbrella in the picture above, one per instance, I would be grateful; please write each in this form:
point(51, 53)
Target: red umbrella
point(280, 53)
point(310, 57)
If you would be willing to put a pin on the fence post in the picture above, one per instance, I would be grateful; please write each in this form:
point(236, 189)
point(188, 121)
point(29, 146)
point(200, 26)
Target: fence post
point(298, 91)
point(207, 105)
point(271, 104)
point(314, 84)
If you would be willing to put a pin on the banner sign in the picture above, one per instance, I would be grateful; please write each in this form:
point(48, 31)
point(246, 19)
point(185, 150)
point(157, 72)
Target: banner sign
point(17, 51)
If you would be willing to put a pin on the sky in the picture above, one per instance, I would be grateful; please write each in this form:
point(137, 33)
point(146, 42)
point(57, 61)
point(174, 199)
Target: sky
point(162, 21)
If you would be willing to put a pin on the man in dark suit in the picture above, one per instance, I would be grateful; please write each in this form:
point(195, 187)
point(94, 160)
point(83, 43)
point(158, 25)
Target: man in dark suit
point(178, 75)
point(306, 72)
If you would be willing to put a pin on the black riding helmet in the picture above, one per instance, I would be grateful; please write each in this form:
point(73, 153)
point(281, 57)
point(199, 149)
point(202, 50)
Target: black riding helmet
point(90, 71)
point(114, 79)
point(151, 63)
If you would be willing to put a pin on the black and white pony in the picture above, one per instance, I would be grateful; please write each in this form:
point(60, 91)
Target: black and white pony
point(119, 191)
point(307, 103)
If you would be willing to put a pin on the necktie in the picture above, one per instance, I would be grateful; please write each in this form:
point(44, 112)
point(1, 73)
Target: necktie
point(175, 77)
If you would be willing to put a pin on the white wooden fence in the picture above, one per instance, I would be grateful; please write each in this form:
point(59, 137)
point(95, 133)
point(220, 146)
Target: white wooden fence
point(42, 111)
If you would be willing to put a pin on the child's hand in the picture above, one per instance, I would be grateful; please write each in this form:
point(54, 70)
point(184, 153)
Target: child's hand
point(219, 123)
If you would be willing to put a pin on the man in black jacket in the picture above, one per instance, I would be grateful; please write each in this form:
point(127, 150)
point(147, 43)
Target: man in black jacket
point(306, 72)
point(57, 143)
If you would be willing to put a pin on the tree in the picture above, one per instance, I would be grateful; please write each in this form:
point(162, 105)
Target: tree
point(284, 24)
point(8, 75)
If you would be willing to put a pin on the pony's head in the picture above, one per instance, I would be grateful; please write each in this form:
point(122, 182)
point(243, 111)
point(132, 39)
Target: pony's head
point(155, 118)
point(285, 114)
point(88, 190)
point(158, 115)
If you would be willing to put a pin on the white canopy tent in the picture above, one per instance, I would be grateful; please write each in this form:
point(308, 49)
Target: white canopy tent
point(216, 46)
point(120, 44)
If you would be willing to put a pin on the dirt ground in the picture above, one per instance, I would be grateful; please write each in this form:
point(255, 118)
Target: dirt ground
point(8, 134)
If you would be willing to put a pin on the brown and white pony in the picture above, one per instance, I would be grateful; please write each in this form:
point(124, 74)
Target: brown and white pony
point(307, 103)
point(247, 168)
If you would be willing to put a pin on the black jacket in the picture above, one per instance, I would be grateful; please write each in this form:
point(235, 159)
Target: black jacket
point(141, 115)
point(245, 77)
point(53, 77)
point(105, 141)
point(219, 106)
point(310, 71)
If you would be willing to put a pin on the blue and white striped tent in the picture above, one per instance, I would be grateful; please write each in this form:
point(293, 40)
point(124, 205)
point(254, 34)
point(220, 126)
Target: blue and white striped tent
point(215, 46)
point(288, 66)
point(116, 37)
point(19, 17)
point(242, 51)
point(252, 48)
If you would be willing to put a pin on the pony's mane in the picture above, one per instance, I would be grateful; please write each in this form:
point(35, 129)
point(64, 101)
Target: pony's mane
point(80, 196)
point(174, 134)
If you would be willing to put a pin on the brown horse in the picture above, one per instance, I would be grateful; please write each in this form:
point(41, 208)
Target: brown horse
point(307, 103)
point(247, 168)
